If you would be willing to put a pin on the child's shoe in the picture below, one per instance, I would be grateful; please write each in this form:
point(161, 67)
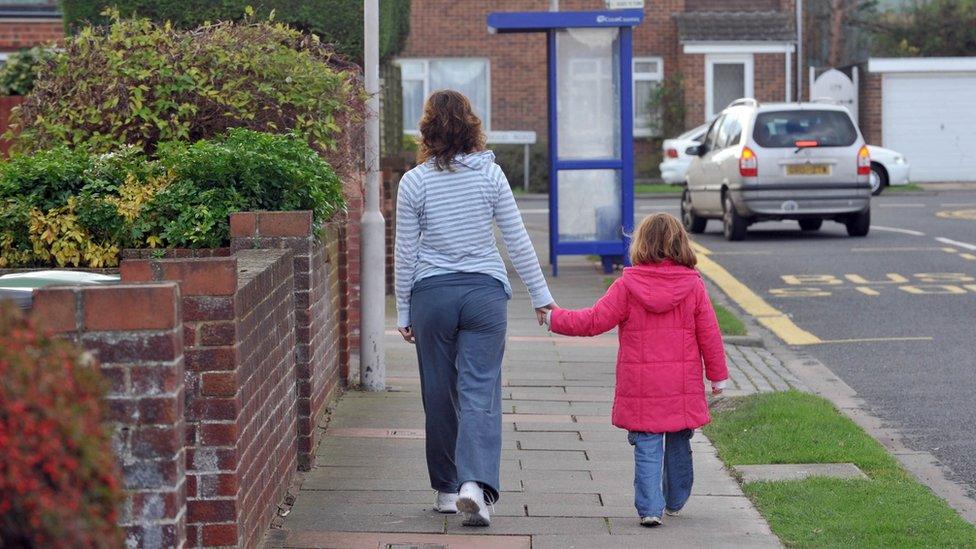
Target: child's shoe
point(471, 501)
point(446, 503)
point(650, 522)
point(671, 513)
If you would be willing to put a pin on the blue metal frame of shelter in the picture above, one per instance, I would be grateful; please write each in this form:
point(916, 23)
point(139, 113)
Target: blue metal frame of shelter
point(550, 23)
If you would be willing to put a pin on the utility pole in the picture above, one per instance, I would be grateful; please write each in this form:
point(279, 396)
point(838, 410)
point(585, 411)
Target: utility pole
point(799, 50)
point(372, 299)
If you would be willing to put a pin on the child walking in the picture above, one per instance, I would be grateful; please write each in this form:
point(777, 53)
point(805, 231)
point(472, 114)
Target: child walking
point(667, 331)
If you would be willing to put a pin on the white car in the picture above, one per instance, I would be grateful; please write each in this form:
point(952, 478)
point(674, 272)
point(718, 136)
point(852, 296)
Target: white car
point(675, 158)
point(887, 168)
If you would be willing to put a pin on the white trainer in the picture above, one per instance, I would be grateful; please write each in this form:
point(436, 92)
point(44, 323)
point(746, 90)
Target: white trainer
point(650, 522)
point(446, 503)
point(471, 502)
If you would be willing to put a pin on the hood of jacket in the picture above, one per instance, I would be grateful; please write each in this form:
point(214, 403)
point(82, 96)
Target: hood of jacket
point(476, 161)
point(660, 287)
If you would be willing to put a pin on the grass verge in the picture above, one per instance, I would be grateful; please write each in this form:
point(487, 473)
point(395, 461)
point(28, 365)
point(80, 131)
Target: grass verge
point(657, 188)
point(903, 188)
point(889, 509)
point(728, 323)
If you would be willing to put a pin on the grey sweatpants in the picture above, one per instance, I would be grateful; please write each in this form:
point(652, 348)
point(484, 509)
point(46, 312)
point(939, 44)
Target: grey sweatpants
point(459, 321)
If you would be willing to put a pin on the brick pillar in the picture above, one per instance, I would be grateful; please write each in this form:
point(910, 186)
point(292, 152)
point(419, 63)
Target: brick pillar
point(316, 307)
point(135, 332)
point(239, 330)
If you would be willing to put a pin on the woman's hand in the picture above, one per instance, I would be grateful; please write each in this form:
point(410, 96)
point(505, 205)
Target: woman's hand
point(540, 313)
point(407, 334)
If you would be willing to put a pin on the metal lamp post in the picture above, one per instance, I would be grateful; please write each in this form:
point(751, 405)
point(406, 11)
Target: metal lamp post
point(372, 366)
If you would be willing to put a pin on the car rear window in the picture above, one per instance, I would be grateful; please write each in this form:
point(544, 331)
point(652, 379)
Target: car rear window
point(785, 128)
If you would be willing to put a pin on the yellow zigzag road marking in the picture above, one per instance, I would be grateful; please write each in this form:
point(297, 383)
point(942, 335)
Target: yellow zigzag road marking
point(767, 315)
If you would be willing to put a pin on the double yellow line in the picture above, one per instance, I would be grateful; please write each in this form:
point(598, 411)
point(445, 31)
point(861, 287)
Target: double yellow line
point(750, 302)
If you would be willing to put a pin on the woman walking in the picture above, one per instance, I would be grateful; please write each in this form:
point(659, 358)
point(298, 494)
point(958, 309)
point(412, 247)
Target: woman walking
point(452, 291)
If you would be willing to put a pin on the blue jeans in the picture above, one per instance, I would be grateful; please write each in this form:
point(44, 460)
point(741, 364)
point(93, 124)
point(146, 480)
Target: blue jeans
point(459, 321)
point(662, 471)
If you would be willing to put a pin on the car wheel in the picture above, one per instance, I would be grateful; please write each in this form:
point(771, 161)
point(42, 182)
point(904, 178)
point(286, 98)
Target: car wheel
point(878, 178)
point(810, 224)
point(859, 224)
point(733, 224)
point(692, 222)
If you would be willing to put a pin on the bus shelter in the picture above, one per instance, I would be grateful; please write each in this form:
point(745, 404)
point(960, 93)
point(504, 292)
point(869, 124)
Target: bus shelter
point(590, 109)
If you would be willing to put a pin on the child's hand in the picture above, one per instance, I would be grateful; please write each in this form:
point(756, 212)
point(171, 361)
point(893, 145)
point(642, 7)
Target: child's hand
point(542, 313)
point(716, 391)
point(718, 387)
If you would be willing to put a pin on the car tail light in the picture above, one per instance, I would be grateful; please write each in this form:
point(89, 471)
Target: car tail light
point(748, 164)
point(671, 153)
point(863, 161)
point(806, 143)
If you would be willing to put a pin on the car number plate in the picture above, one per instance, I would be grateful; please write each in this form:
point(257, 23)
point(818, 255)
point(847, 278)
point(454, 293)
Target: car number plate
point(807, 169)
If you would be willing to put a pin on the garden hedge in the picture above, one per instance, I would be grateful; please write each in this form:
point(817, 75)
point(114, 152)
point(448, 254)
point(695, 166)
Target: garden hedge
point(339, 22)
point(139, 83)
point(68, 207)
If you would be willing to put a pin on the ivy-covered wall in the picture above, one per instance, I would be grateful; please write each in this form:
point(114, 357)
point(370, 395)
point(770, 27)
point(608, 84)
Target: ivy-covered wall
point(336, 21)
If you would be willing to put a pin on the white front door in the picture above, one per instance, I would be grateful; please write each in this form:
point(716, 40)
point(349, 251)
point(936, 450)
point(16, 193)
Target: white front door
point(727, 77)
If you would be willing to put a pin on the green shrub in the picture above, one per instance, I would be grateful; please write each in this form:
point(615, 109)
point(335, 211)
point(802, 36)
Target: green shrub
point(511, 160)
point(336, 21)
point(58, 483)
point(68, 207)
point(139, 83)
point(18, 73)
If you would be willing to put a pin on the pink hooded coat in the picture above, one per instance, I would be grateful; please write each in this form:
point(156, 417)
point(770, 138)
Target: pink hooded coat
point(667, 330)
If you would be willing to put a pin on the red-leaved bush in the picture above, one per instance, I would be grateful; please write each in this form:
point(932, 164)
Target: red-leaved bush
point(58, 484)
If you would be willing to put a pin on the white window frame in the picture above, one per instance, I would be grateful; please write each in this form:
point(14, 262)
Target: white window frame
point(657, 76)
point(746, 59)
point(425, 61)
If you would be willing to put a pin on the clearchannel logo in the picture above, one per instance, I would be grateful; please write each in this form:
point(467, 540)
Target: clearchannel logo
point(609, 20)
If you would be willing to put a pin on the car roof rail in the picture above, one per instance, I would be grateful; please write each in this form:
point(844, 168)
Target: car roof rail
point(744, 101)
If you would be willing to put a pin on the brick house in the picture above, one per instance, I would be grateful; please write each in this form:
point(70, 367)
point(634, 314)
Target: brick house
point(28, 23)
point(722, 49)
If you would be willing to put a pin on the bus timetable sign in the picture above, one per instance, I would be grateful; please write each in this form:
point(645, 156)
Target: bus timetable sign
point(625, 4)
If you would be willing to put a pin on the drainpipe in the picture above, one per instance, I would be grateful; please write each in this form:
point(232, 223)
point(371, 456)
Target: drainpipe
point(372, 367)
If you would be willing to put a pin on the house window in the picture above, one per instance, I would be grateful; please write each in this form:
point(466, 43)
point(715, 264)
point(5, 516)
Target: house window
point(648, 72)
point(727, 78)
point(420, 77)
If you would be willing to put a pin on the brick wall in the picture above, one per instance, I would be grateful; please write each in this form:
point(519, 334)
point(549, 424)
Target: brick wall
point(136, 331)
point(26, 33)
point(220, 367)
point(869, 104)
point(317, 302)
point(693, 70)
point(769, 83)
point(349, 279)
point(239, 333)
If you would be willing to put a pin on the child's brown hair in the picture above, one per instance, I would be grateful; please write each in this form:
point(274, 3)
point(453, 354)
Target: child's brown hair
point(660, 236)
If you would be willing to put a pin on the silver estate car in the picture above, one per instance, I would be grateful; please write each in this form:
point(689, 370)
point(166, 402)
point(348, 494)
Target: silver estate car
point(757, 162)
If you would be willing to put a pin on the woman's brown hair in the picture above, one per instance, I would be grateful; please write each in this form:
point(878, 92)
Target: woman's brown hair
point(660, 236)
point(449, 128)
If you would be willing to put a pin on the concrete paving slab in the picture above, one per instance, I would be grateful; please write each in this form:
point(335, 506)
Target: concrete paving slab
point(362, 540)
point(535, 525)
point(799, 471)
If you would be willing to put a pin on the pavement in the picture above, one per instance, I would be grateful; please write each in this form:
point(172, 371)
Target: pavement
point(567, 474)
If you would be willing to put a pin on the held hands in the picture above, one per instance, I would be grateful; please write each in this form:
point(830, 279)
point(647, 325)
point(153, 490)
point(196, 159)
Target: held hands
point(407, 334)
point(540, 313)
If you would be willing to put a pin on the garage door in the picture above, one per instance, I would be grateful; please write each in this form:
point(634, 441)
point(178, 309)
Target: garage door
point(931, 120)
